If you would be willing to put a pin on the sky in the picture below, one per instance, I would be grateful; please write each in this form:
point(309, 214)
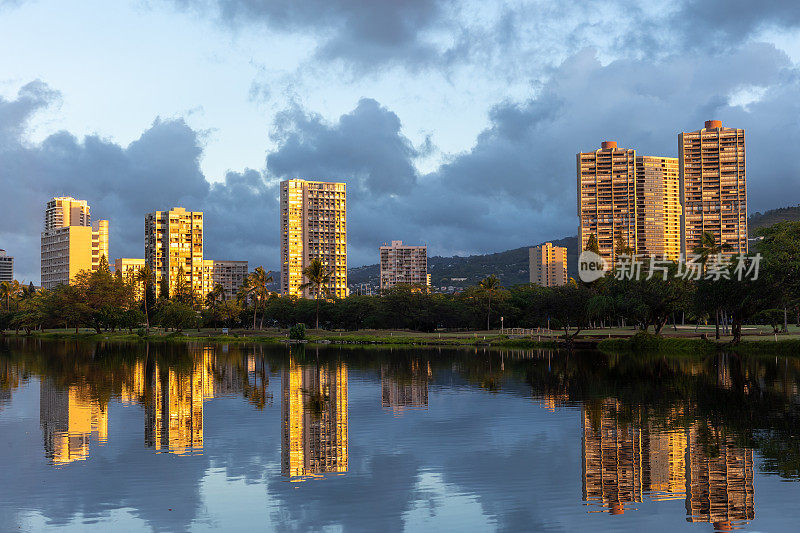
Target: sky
point(454, 123)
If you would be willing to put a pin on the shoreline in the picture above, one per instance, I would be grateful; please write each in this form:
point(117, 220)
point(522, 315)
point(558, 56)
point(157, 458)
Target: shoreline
point(315, 340)
point(634, 344)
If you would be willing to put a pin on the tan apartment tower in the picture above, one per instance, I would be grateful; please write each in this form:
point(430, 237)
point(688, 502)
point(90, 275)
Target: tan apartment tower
point(173, 242)
point(403, 263)
point(658, 207)
point(607, 197)
point(70, 243)
point(548, 265)
point(313, 225)
point(713, 186)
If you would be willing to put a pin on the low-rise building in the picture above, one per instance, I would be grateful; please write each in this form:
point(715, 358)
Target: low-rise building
point(6, 267)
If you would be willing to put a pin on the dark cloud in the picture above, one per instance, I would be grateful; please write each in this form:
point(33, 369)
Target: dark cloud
point(363, 33)
point(725, 23)
point(365, 147)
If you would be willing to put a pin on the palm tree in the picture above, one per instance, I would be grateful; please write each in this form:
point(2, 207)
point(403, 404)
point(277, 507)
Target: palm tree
point(256, 286)
point(145, 276)
point(489, 286)
point(215, 295)
point(707, 249)
point(318, 276)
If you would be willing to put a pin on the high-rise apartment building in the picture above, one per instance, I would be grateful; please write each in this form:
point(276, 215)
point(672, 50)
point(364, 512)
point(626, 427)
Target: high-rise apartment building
point(403, 263)
point(548, 265)
point(607, 197)
point(173, 243)
point(65, 211)
point(713, 186)
point(70, 243)
point(6, 267)
point(230, 274)
point(313, 225)
point(632, 198)
point(658, 209)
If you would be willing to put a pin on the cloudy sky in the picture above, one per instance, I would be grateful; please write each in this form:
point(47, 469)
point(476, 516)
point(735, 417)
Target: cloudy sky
point(454, 123)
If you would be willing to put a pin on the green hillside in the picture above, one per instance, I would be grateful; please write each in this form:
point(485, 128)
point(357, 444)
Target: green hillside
point(773, 216)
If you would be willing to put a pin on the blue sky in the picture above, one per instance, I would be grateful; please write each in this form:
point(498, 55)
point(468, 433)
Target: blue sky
point(454, 123)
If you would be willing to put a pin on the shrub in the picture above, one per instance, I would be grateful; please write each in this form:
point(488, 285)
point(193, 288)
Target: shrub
point(298, 332)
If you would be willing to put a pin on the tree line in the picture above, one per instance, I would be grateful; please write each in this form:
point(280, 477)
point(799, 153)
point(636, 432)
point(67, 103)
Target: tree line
point(105, 301)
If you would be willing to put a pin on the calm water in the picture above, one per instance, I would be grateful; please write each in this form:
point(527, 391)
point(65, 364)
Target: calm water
point(174, 438)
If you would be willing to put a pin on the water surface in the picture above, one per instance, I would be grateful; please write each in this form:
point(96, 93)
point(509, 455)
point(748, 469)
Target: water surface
point(195, 438)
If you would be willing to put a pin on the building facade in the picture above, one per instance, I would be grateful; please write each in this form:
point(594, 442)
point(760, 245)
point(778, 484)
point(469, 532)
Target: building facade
point(403, 263)
point(548, 265)
point(66, 211)
point(313, 225)
point(129, 267)
point(173, 243)
point(70, 242)
point(230, 274)
point(658, 209)
point(6, 267)
point(607, 197)
point(629, 203)
point(713, 187)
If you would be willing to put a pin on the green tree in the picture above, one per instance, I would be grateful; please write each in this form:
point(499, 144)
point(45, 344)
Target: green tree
point(145, 277)
point(489, 286)
point(184, 293)
point(215, 296)
point(592, 245)
point(780, 266)
point(706, 250)
point(622, 245)
point(256, 288)
point(318, 276)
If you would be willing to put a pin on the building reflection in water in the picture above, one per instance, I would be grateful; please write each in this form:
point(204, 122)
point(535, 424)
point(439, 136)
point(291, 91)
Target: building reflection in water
point(612, 458)
point(406, 387)
point(719, 480)
point(314, 420)
point(9, 380)
point(625, 459)
point(70, 421)
point(174, 412)
point(173, 398)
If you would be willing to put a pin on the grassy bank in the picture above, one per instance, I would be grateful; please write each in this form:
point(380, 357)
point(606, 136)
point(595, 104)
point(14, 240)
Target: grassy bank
point(653, 344)
point(400, 338)
point(423, 340)
point(133, 337)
